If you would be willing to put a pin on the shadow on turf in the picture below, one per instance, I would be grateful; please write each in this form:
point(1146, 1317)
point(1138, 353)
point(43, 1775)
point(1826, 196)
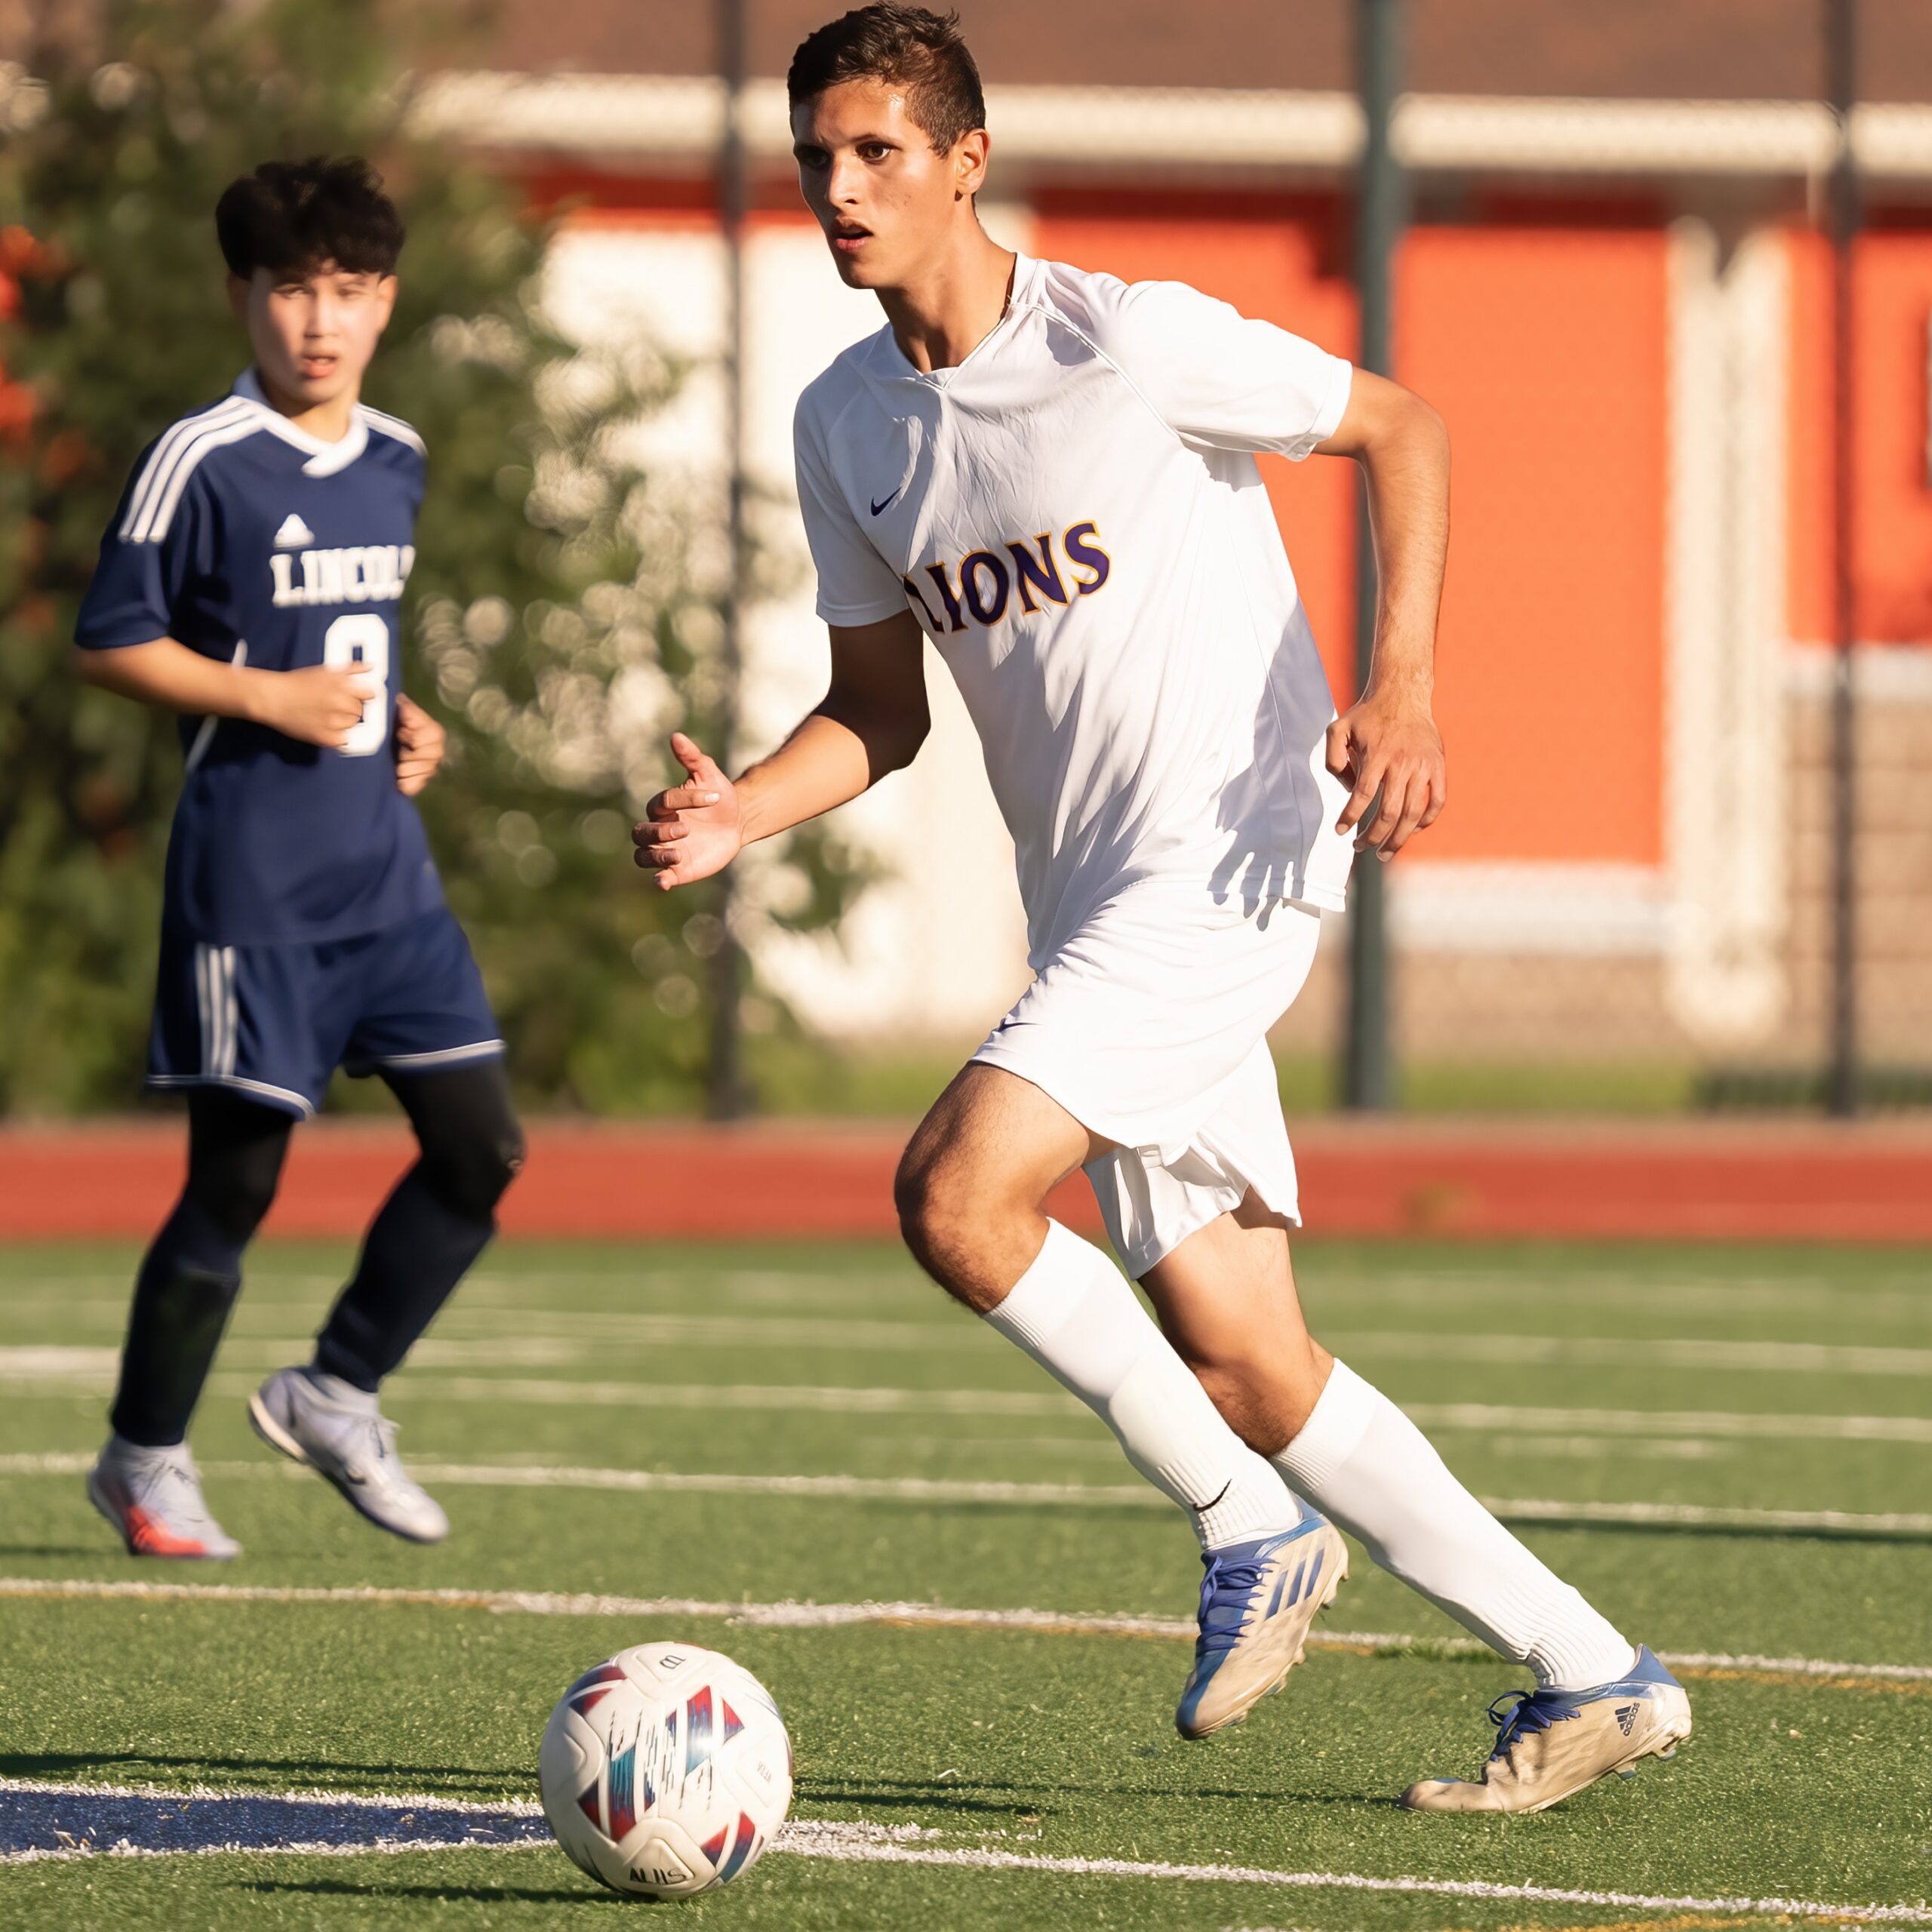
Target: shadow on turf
point(440, 1780)
point(52, 1549)
point(1027, 1802)
point(482, 1894)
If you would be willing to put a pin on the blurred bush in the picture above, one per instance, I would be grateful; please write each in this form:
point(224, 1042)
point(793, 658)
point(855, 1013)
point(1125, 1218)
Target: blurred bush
point(563, 612)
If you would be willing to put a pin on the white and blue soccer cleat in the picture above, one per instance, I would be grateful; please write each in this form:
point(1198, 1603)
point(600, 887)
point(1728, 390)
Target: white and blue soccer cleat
point(1257, 1602)
point(1551, 1743)
point(338, 1431)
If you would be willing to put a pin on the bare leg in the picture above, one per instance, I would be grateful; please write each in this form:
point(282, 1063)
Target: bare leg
point(973, 1183)
point(1226, 1300)
point(971, 1192)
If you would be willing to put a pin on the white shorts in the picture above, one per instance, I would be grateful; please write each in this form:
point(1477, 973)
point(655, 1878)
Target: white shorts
point(1149, 1026)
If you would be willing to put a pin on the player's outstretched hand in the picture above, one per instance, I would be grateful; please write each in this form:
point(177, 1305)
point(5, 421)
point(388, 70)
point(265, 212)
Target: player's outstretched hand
point(419, 746)
point(695, 828)
point(1391, 746)
point(320, 704)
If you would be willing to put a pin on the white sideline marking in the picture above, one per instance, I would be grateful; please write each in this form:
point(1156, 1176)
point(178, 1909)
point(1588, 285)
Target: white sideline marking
point(845, 1842)
point(934, 1489)
point(1698, 1516)
point(739, 1333)
point(835, 1616)
point(1564, 1350)
point(812, 1840)
point(735, 1396)
point(32, 1363)
point(949, 1329)
point(1478, 1417)
point(92, 1368)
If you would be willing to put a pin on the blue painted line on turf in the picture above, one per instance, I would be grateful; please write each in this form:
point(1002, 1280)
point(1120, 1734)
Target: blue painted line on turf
point(53, 1821)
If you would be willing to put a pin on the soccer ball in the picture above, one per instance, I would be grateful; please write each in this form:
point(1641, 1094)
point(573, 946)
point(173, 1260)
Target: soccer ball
point(665, 1770)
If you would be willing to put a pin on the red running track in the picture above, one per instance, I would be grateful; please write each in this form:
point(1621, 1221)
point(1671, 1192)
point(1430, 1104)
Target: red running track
point(1775, 1181)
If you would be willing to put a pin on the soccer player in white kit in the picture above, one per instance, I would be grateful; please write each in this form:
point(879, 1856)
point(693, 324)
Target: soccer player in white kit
point(1051, 474)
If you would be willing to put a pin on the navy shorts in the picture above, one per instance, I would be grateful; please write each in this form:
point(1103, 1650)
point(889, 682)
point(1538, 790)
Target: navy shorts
point(274, 1022)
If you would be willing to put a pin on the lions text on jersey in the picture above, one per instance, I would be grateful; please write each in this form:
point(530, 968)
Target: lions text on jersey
point(247, 539)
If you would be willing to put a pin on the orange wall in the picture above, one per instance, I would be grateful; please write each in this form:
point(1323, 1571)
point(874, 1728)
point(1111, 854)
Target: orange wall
point(1545, 349)
point(1892, 507)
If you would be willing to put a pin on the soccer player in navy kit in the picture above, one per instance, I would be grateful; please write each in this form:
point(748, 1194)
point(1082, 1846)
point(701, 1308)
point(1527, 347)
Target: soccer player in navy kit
point(250, 582)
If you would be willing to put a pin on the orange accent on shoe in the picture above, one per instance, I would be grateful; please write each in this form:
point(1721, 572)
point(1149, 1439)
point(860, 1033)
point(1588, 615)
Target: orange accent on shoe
point(146, 1537)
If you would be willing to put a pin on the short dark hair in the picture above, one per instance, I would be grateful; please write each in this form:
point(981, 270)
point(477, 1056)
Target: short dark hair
point(291, 215)
point(920, 50)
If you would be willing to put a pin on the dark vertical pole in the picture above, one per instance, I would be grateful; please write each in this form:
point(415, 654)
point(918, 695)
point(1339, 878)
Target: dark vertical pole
point(1842, 1083)
point(728, 1097)
point(1367, 1075)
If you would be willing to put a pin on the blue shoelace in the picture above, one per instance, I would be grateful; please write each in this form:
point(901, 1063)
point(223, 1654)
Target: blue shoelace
point(1238, 1580)
point(1534, 1710)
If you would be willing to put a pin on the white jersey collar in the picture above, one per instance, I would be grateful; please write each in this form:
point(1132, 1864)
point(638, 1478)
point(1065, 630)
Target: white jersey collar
point(1024, 269)
point(325, 459)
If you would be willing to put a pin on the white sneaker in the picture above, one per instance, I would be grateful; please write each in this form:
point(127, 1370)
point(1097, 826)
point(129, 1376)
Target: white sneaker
point(153, 1498)
point(338, 1431)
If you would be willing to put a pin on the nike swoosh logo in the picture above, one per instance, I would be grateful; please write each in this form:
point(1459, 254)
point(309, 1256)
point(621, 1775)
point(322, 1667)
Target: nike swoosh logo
point(885, 500)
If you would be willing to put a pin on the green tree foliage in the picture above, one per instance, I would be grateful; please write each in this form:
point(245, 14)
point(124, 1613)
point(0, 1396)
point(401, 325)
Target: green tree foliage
point(561, 614)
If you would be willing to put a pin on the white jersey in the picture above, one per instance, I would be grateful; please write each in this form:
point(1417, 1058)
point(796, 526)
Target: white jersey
point(1074, 516)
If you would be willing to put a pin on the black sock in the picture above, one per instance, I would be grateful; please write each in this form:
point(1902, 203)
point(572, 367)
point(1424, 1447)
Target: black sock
point(433, 1227)
point(189, 1279)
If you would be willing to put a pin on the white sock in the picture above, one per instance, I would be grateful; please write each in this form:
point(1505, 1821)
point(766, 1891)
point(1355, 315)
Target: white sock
point(1360, 1460)
point(1076, 1315)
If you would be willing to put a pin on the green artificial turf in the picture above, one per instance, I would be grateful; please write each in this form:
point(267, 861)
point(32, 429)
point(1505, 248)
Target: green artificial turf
point(1548, 1375)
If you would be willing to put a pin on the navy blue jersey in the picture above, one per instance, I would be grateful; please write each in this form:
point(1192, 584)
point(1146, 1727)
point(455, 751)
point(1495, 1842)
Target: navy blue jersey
point(250, 541)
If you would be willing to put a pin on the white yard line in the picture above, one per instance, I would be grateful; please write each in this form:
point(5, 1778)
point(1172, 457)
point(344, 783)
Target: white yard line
point(1480, 1416)
point(812, 1840)
point(949, 1329)
point(37, 1362)
point(88, 1368)
point(644, 1394)
point(1643, 1353)
point(939, 1490)
point(837, 1615)
point(203, 1815)
point(740, 1333)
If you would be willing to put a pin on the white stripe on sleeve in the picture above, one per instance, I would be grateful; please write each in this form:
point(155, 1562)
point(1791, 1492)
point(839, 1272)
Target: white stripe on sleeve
point(161, 459)
point(153, 526)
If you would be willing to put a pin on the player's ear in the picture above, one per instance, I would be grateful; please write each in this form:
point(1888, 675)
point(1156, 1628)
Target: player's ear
point(970, 155)
point(238, 297)
point(386, 291)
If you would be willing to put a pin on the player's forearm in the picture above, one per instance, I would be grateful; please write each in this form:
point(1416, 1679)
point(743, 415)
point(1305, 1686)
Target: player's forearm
point(823, 764)
point(1407, 467)
point(168, 675)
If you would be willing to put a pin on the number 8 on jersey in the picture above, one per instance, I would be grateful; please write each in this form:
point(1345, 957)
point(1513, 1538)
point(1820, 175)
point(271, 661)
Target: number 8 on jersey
point(360, 641)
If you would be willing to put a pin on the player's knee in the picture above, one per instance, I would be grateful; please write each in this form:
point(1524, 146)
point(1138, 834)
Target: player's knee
point(234, 1200)
point(936, 1198)
point(471, 1172)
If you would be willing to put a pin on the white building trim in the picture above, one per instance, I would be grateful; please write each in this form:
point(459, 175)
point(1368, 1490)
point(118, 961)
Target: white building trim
point(683, 117)
point(1531, 909)
point(1881, 673)
point(1724, 784)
